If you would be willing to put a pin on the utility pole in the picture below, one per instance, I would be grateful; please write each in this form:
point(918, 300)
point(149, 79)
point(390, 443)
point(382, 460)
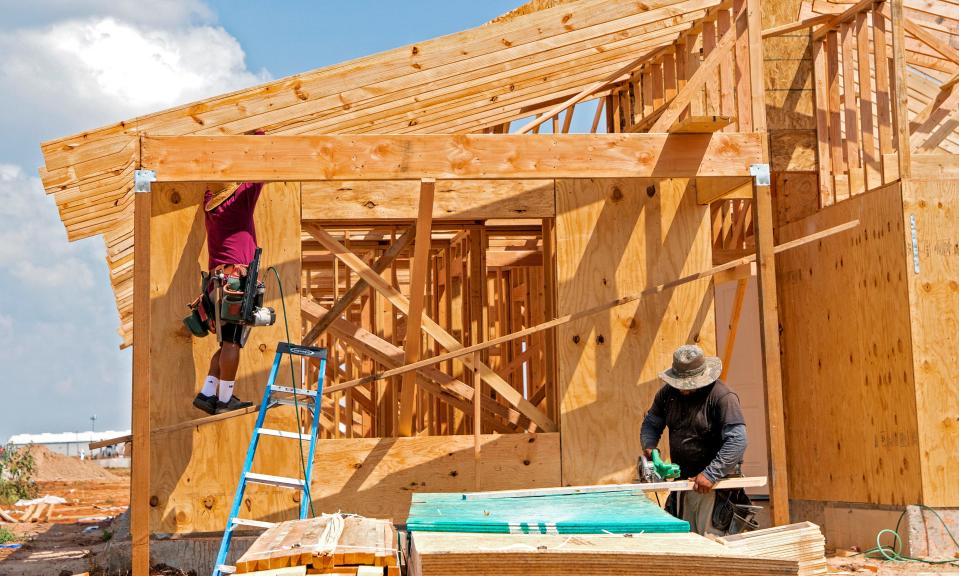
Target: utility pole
point(93, 423)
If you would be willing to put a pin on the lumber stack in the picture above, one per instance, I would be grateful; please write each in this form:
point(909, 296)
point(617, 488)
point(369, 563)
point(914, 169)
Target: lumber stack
point(581, 513)
point(331, 544)
point(457, 554)
point(802, 542)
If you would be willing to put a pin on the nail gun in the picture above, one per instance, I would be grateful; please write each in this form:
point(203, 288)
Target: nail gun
point(655, 469)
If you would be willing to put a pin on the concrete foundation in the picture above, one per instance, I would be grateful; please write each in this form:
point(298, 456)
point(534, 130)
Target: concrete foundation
point(855, 526)
point(195, 554)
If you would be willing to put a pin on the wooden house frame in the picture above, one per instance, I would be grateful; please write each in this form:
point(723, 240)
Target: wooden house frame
point(402, 197)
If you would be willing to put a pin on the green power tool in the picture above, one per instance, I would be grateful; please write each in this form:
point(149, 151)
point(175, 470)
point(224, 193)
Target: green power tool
point(655, 469)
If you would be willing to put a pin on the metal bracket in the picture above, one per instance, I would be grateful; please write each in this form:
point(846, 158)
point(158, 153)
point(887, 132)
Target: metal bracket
point(142, 180)
point(915, 243)
point(760, 174)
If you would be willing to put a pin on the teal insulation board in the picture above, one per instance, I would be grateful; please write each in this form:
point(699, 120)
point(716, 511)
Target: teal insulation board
point(589, 513)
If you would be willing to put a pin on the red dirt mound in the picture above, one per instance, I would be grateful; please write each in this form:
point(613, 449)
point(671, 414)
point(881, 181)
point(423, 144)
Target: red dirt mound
point(51, 466)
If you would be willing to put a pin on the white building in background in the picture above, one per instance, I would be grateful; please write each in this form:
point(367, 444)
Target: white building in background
point(74, 443)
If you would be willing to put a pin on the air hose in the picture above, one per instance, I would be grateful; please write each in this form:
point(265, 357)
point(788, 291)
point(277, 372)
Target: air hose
point(296, 405)
point(894, 553)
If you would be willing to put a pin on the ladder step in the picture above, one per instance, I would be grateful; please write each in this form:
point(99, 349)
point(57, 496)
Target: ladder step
point(283, 434)
point(289, 402)
point(290, 390)
point(253, 523)
point(226, 569)
point(281, 481)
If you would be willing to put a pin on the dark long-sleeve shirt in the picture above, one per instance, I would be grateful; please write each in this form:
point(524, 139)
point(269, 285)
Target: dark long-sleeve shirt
point(707, 431)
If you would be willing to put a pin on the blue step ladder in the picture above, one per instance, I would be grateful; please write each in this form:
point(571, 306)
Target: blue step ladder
point(274, 396)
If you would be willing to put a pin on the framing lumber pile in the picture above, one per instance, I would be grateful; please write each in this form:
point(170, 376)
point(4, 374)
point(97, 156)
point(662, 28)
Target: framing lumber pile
point(330, 544)
point(802, 542)
point(434, 554)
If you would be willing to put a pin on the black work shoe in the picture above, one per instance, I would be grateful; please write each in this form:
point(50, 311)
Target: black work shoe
point(234, 404)
point(206, 403)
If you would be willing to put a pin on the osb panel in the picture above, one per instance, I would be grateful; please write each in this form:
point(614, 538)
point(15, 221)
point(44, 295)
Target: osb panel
point(792, 150)
point(934, 298)
point(376, 477)
point(194, 471)
point(614, 238)
point(795, 196)
point(851, 431)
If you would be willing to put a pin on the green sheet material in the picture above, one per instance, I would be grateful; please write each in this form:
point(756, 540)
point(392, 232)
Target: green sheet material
point(591, 513)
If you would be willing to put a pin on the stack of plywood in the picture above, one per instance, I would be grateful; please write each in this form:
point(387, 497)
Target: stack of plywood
point(332, 544)
point(460, 554)
point(802, 542)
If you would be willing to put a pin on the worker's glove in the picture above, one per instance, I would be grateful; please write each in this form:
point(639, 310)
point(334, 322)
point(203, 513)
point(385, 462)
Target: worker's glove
point(702, 484)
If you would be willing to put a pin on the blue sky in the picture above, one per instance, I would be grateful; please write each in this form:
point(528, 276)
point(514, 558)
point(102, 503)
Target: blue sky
point(72, 65)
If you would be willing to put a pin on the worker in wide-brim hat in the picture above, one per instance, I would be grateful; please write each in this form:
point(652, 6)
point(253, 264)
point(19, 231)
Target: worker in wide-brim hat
point(707, 439)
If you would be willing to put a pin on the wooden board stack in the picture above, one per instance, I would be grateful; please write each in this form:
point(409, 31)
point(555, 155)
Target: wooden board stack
point(458, 554)
point(802, 542)
point(331, 544)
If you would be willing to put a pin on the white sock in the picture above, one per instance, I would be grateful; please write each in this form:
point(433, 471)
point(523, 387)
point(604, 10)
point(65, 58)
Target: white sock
point(209, 386)
point(226, 390)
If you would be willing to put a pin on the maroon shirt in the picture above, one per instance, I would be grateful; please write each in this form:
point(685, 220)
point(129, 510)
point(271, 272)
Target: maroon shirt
point(230, 233)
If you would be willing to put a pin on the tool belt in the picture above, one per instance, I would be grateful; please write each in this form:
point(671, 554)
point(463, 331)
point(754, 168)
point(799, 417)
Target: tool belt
point(201, 319)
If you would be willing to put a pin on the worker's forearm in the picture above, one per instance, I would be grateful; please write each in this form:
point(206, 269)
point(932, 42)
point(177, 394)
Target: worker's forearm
point(730, 453)
point(652, 430)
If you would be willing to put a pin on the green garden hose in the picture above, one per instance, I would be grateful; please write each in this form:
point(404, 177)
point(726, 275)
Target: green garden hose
point(894, 553)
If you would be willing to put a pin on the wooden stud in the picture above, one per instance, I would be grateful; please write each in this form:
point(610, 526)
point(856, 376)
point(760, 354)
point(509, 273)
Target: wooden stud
point(140, 476)
point(414, 315)
point(872, 173)
point(883, 100)
point(820, 74)
point(772, 370)
point(741, 286)
point(901, 91)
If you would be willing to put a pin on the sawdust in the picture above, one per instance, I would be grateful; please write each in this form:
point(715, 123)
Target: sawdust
point(50, 466)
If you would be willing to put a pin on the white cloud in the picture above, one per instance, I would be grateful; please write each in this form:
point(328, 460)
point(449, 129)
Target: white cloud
point(110, 69)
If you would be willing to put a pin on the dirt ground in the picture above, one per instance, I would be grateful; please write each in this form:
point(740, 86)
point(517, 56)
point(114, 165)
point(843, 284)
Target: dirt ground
point(76, 533)
point(78, 530)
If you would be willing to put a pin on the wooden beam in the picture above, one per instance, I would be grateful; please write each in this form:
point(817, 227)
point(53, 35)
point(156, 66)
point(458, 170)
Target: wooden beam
point(708, 190)
point(513, 258)
point(658, 289)
point(358, 287)
point(414, 319)
point(700, 124)
point(442, 337)
point(450, 157)
point(140, 475)
point(769, 340)
point(586, 92)
point(734, 325)
point(454, 200)
point(844, 16)
point(798, 25)
point(709, 65)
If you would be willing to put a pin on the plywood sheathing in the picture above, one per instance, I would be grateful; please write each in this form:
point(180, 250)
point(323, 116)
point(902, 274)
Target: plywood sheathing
point(850, 395)
point(933, 294)
point(613, 238)
point(186, 489)
point(464, 82)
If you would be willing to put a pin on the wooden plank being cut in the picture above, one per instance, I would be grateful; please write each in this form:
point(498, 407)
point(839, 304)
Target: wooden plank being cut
point(674, 486)
point(685, 554)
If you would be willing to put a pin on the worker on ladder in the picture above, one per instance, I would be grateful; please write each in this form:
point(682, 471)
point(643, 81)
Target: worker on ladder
point(231, 243)
point(707, 439)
